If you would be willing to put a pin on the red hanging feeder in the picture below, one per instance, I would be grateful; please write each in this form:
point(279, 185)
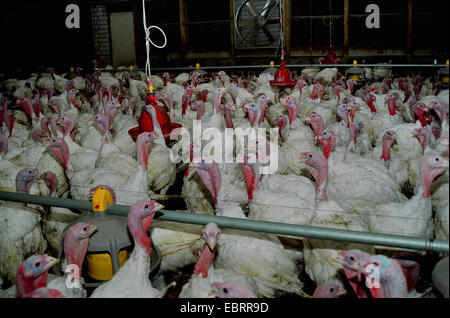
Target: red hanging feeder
point(282, 77)
point(146, 124)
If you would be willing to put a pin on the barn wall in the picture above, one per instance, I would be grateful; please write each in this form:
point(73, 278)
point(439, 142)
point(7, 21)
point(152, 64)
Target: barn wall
point(33, 33)
point(101, 32)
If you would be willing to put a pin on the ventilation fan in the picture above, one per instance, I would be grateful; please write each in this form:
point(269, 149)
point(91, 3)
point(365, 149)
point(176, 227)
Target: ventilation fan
point(257, 23)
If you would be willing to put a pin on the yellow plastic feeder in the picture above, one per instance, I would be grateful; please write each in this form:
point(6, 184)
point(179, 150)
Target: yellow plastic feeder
point(355, 73)
point(107, 249)
point(443, 75)
point(100, 266)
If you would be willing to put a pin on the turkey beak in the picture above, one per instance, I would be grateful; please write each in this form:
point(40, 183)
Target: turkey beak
point(446, 163)
point(51, 261)
point(338, 259)
point(211, 243)
point(158, 206)
point(302, 158)
point(46, 143)
point(342, 292)
point(93, 229)
point(283, 101)
point(308, 120)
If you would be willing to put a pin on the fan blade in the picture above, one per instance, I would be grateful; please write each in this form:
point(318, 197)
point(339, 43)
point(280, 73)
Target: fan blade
point(243, 23)
point(252, 9)
point(254, 34)
point(266, 8)
point(268, 34)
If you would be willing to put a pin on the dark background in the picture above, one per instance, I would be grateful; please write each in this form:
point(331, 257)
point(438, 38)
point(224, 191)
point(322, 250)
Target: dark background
point(33, 33)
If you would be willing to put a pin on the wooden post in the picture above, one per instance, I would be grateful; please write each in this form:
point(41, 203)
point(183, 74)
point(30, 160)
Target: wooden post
point(409, 47)
point(287, 24)
point(232, 49)
point(346, 39)
point(183, 28)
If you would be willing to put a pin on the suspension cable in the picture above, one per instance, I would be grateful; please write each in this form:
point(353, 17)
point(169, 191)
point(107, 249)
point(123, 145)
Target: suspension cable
point(147, 46)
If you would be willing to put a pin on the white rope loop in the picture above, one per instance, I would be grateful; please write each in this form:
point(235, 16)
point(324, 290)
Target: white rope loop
point(148, 41)
point(148, 37)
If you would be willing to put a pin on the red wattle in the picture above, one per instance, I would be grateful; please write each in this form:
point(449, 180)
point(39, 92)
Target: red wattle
point(185, 104)
point(314, 93)
point(250, 178)
point(336, 92)
point(422, 119)
point(391, 107)
point(204, 261)
point(377, 292)
point(386, 153)
point(371, 106)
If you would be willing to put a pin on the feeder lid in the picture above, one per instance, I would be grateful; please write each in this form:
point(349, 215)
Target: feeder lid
point(443, 71)
point(200, 71)
point(354, 71)
point(282, 77)
point(71, 74)
point(146, 124)
point(271, 70)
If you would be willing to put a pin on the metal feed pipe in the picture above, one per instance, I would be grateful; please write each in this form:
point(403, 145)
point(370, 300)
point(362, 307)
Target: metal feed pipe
point(406, 242)
point(288, 65)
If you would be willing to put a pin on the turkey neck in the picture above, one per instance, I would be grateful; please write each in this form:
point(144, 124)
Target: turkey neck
point(138, 179)
point(75, 250)
point(386, 152)
point(200, 111)
point(353, 133)
point(256, 118)
point(320, 173)
point(395, 287)
point(168, 101)
point(156, 126)
point(138, 226)
point(328, 147)
point(426, 180)
point(228, 119)
point(217, 99)
point(281, 127)
point(24, 185)
point(371, 106)
point(263, 110)
point(317, 126)
point(58, 129)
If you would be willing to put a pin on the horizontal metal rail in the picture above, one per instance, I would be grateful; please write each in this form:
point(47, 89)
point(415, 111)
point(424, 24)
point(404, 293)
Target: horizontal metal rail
point(225, 67)
point(406, 242)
